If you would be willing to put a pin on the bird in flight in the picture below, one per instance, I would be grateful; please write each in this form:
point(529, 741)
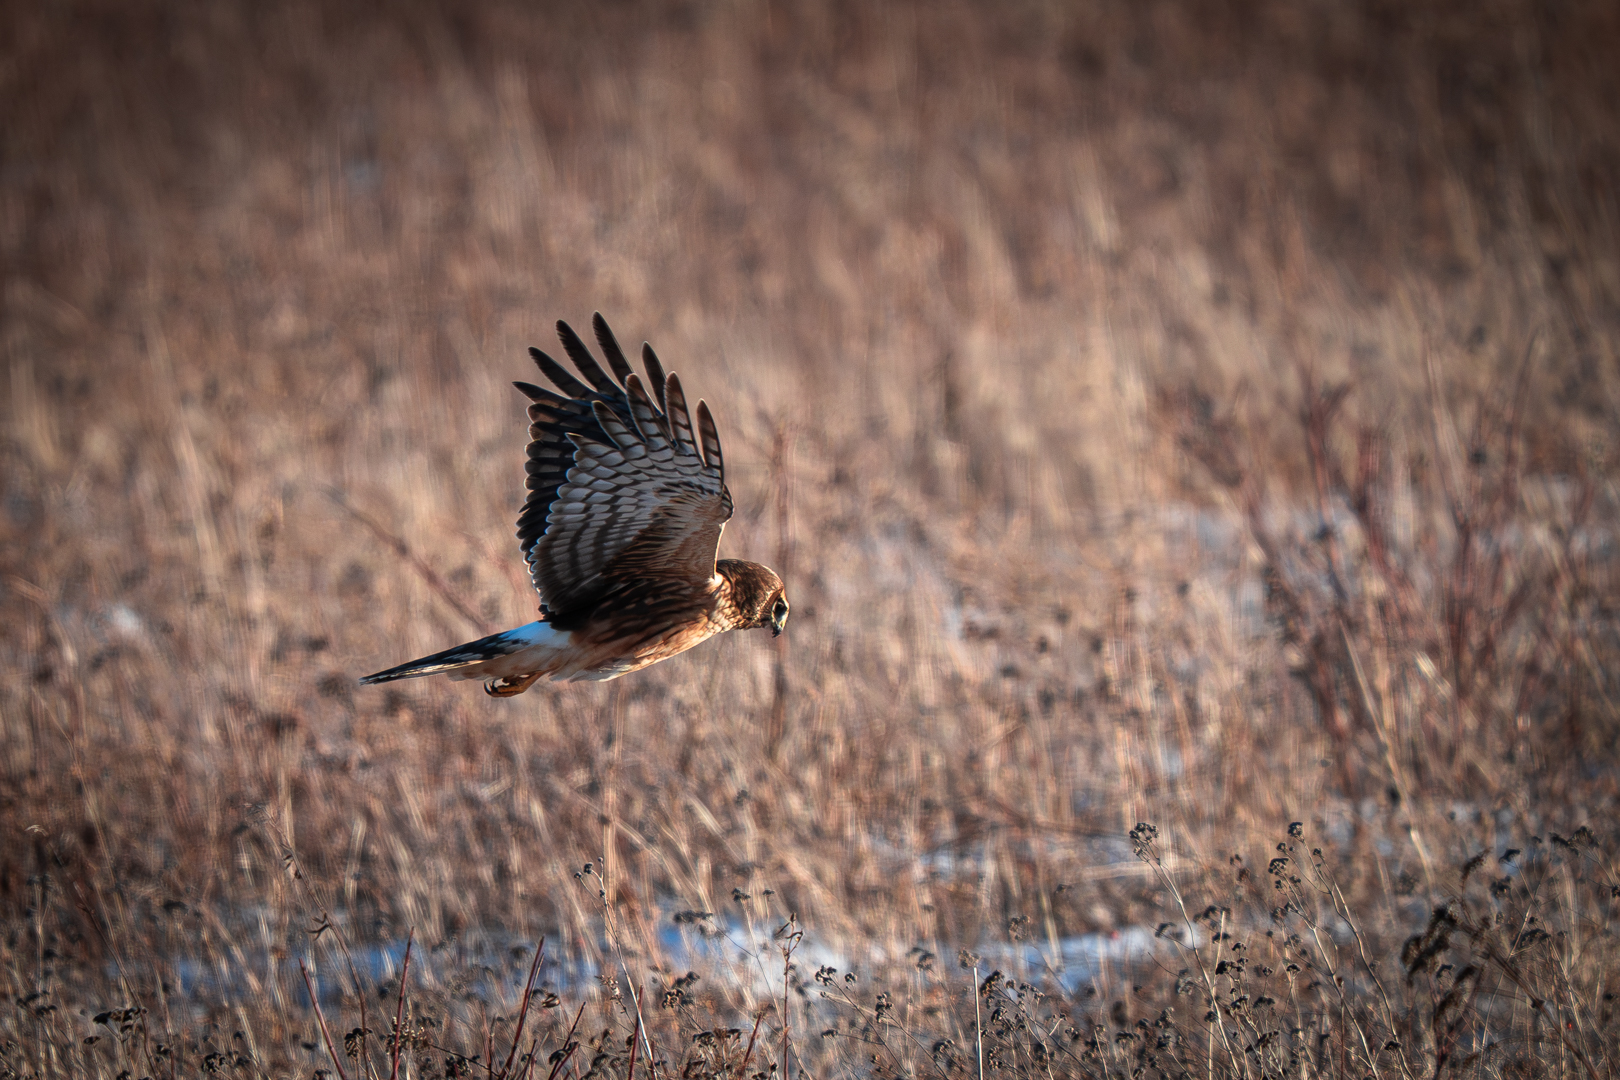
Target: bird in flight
point(626, 502)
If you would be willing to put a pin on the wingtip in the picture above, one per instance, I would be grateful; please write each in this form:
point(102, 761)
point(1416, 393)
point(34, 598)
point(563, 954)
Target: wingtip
point(656, 375)
point(557, 374)
point(709, 435)
point(580, 354)
point(610, 346)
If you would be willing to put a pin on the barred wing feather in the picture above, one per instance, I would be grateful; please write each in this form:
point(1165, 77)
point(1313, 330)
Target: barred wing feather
point(618, 488)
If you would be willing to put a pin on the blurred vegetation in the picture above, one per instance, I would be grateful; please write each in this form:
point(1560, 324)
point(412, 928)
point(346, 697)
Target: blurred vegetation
point(1187, 431)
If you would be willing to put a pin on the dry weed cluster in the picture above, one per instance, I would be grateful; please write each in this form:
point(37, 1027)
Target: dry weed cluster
point(1187, 431)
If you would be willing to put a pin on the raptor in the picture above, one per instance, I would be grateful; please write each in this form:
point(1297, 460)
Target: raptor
point(627, 500)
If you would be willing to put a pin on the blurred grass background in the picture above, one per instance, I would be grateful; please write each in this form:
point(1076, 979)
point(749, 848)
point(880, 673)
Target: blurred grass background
point(1200, 413)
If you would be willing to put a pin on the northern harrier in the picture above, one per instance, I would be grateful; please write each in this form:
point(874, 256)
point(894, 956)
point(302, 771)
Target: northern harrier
point(624, 514)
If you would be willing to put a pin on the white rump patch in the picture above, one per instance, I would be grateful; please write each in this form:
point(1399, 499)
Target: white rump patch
point(539, 633)
point(535, 647)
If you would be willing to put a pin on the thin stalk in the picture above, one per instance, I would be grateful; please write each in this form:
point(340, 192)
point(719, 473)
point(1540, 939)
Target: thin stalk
point(569, 1045)
point(523, 1010)
point(399, 1006)
point(978, 1023)
point(320, 1017)
point(742, 1070)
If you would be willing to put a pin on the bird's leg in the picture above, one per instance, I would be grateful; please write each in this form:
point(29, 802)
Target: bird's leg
point(510, 686)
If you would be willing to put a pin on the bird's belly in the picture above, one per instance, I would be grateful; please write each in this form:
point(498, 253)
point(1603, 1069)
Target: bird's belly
point(613, 658)
point(590, 654)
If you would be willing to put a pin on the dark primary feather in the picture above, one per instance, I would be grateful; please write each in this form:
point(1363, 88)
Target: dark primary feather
point(680, 419)
point(652, 425)
point(558, 375)
point(655, 374)
point(653, 503)
point(711, 438)
point(610, 347)
point(582, 358)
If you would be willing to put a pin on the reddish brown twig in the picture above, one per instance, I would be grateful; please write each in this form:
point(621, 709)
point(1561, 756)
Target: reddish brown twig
point(399, 1007)
point(320, 1018)
point(742, 1070)
point(569, 1045)
point(635, 1037)
point(523, 1010)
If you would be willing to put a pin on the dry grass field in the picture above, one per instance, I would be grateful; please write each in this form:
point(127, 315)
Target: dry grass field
point(1193, 414)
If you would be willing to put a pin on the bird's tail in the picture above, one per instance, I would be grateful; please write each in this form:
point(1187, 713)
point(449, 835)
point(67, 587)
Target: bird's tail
point(474, 654)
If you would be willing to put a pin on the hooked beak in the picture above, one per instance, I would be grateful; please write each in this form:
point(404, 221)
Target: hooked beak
point(778, 624)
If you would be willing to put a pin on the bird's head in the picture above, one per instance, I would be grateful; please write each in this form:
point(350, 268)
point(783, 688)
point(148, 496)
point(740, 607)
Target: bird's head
point(757, 594)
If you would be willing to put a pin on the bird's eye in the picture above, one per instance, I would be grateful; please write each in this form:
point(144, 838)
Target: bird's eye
point(780, 609)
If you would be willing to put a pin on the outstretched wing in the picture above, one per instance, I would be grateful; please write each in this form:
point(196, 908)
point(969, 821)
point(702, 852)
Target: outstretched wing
point(619, 489)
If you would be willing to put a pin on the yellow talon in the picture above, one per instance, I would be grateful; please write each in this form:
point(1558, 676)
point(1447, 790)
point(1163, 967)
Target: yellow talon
point(509, 686)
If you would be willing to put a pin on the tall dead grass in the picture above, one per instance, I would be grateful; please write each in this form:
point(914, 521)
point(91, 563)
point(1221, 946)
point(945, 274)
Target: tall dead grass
point(1189, 414)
